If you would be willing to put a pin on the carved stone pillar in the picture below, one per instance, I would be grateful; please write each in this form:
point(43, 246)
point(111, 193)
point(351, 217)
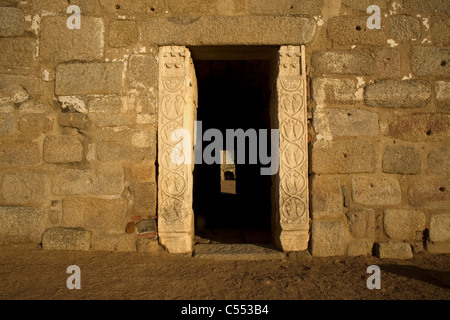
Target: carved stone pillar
point(293, 207)
point(177, 104)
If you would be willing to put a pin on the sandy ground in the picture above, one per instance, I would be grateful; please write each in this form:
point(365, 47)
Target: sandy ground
point(28, 272)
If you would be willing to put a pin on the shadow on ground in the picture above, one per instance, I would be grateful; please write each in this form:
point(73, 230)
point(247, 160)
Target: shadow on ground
point(440, 278)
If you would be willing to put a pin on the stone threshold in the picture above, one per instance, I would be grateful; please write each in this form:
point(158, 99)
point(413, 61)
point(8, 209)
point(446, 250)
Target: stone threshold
point(238, 252)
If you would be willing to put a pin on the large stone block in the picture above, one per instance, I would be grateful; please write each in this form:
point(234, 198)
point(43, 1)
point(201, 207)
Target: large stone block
point(114, 242)
point(35, 117)
point(327, 238)
point(66, 239)
point(393, 250)
point(145, 198)
point(19, 153)
point(60, 6)
point(25, 188)
point(233, 30)
point(427, 6)
point(285, 7)
point(112, 119)
point(106, 215)
point(105, 181)
point(62, 149)
point(17, 52)
point(439, 162)
point(89, 78)
point(59, 43)
point(430, 193)
point(6, 119)
point(106, 104)
point(126, 145)
point(359, 248)
point(421, 127)
point(133, 7)
point(404, 28)
point(22, 225)
point(403, 224)
point(345, 123)
point(376, 191)
point(440, 30)
point(443, 94)
point(361, 223)
point(430, 61)
point(362, 5)
point(11, 22)
point(345, 156)
point(334, 90)
point(387, 63)
point(12, 89)
point(142, 72)
point(342, 62)
point(438, 247)
point(402, 160)
point(122, 33)
point(398, 94)
point(353, 30)
point(326, 197)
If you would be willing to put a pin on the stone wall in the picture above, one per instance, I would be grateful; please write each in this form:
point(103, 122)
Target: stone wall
point(78, 117)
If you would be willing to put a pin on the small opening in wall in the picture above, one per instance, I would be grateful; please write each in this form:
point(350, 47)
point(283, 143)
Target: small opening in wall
point(152, 9)
point(117, 7)
point(429, 133)
point(443, 63)
point(349, 114)
point(358, 28)
point(345, 155)
point(441, 189)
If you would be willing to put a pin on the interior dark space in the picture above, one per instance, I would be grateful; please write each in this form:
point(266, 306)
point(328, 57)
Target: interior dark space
point(233, 94)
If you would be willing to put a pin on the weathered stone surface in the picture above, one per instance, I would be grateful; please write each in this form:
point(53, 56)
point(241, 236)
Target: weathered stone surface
point(59, 43)
point(17, 52)
point(106, 215)
point(128, 145)
point(430, 61)
point(421, 127)
point(334, 90)
point(342, 62)
point(35, 117)
point(440, 30)
point(11, 22)
point(73, 120)
point(402, 160)
point(387, 63)
point(439, 162)
point(393, 250)
point(131, 7)
point(21, 225)
point(62, 149)
point(146, 110)
point(345, 123)
point(438, 247)
point(12, 89)
point(404, 28)
point(7, 119)
point(145, 198)
point(106, 181)
point(122, 33)
point(285, 7)
point(60, 6)
point(66, 239)
point(146, 226)
point(376, 191)
point(443, 94)
point(326, 197)
point(89, 78)
point(359, 248)
point(25, 188)
point(398, 94)
point(144, 173)
point(430, 193)
point(112, 119)
point(114, 242)
point(353, 30)
point(142, 72)
point(361, 223)
point(236, 252)
point(236, 30)
point(327, 238)
point(440, 227)
point(349, 156)
point(148, 246)
point(106, 104)
point(362, 5)
point(402, 224)
point(427, 6)
point(304, 255)
point(19, 153)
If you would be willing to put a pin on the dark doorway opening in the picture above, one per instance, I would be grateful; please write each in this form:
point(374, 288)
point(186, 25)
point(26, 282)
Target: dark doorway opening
point(233, 94)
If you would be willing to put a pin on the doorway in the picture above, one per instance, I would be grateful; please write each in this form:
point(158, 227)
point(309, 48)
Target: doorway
point(232, 202)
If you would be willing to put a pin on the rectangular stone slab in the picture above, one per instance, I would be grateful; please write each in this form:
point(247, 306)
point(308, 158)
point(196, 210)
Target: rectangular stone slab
point(241, 30)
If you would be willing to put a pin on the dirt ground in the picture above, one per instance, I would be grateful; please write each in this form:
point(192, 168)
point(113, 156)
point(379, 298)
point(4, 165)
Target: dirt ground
point(29, 272)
